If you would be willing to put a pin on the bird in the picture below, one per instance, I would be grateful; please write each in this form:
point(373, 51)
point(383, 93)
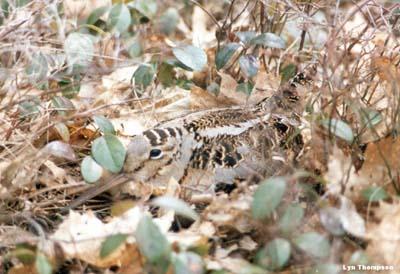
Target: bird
point(216, 147)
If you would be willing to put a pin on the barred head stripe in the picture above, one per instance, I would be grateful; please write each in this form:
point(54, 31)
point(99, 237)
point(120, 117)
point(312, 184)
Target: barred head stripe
point(171, 132)
point(151, 136)
point(162, 133)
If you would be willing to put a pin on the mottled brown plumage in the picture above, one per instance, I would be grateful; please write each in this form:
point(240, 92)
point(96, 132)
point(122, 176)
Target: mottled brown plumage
point(226, 145)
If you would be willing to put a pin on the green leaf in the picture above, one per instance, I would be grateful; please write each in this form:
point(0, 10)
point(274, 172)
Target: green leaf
point(288, 72)
point(135, 48)
point(37, 67)
point(313, 244)
point(359, 257)
point(177, 205)
point(168, 21)
point(275, 255)
point(21, 3)
point(111, 243)
point(247, 268)
point(370, 118)
point(327, 268)
point(95, 15)
point(268, 196)
point(43, 265)
point(270, 40)
point(166, 74)
point(245, 87)
point(246, 36)
point(104, 124)
point(151, 241)
point(339, 128)
point(225, 54)
point(91, 171)
point(79, 49)
point(188, 263)
point(146, 7)
point(60, 150)
point(119, 18)
point(24, 255)
point(249, 65)
point(374, 193)
point(193, 57)
point(291, 218)
point(176, 63)
point(63, 131)
point(109, 152)
point(29, 108)
point(213, 88)
point(70, 86)
point(143, 76)
point(62, 104)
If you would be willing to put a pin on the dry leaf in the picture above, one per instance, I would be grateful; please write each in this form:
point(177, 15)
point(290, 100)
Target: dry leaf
point(385, 236)
point(381, 166)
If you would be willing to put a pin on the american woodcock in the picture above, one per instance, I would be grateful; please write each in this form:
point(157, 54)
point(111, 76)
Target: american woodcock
point(218, 146)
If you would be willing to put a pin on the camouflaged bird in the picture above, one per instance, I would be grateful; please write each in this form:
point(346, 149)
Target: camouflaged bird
point(226, 145)
point(218, 146)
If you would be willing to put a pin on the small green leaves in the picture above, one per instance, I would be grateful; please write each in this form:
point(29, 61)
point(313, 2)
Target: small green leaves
point(370, 117)
point(190, 56)
point(168, 21)
point(24, 255)
point(268, 196)
point(358, 257)
point(177, 205)
point(152, 243)
point(38, 67)
point(119, 18)
point(245, 87)
point(249, 65)
point(166, 74)
point(313, 244)
point(62, 104)
point(275, 255)
point(104, 124)
point(111, 243)
point(91, 171)
point(270, 40)
point(95, 15)
point(60, 149)
point(63, 131)
point(79, 49)
point(29, 108)
point(374, 194)
point(188, 263)
point(246, 36)
point(327, 268)
point(143, 76)
point(134, 47)
point(225, 54)
point(339, 128)
point(291, 218)
point(43, 265)
point(146, 7)
point(109, 152)
point(288, 72)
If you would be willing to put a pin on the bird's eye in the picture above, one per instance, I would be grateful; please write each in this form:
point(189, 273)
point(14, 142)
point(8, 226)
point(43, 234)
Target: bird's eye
point(155, 153)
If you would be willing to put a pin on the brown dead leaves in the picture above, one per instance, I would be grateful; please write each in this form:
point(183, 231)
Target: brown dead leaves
point(380, 168)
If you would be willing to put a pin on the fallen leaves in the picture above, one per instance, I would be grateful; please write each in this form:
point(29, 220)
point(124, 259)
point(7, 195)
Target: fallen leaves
point(384, 235)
